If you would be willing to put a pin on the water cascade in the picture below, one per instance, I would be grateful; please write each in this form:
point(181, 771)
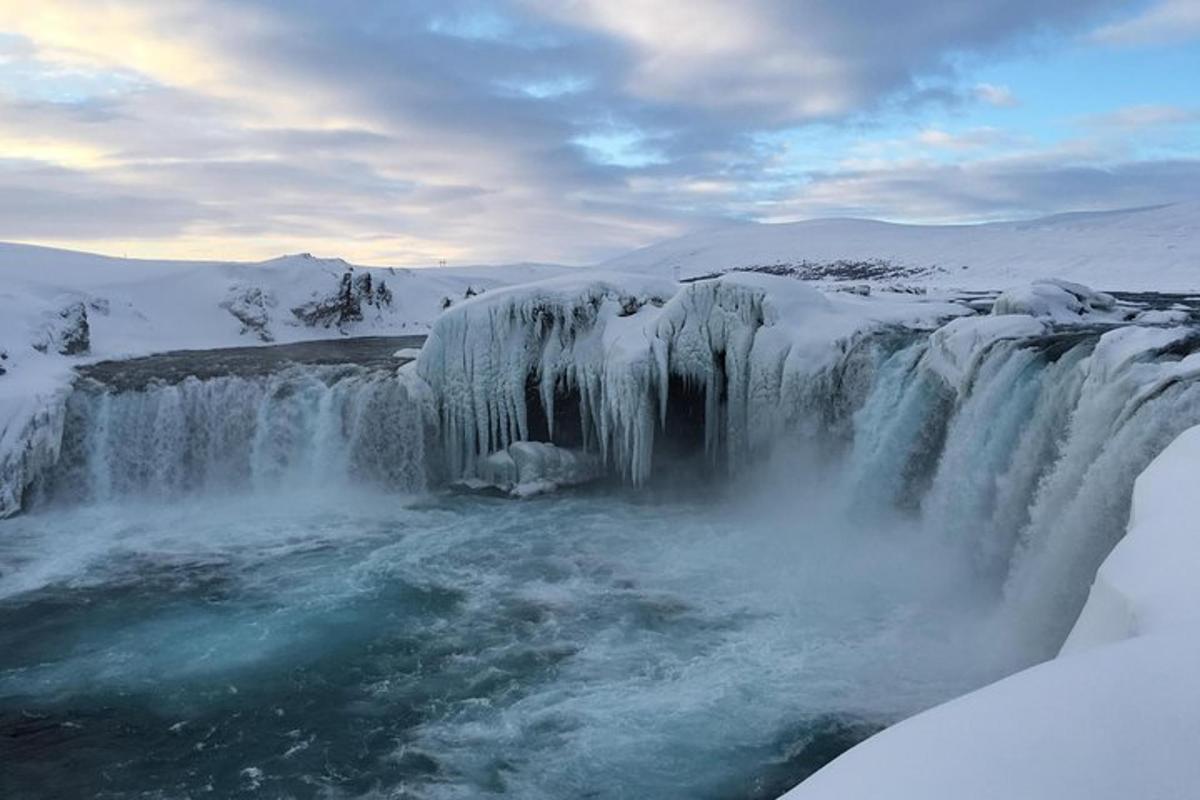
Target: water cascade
point(304, 426)
point(885, 504)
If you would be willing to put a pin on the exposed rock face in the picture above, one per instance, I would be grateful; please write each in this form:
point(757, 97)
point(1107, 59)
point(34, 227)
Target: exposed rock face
point(76, 335)
point(68, 333)
point(346, 306)
point(251, 306)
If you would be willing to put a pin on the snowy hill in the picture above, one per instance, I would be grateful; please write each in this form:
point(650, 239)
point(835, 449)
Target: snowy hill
point(1154, 248)
point(131, 307)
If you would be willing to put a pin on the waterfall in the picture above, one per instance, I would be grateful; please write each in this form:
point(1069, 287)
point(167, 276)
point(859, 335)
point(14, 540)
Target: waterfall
point(1013, 441)
point(305, 427)
point(1029, 466)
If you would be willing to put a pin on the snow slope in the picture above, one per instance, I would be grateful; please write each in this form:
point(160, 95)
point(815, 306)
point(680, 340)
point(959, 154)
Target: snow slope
point(1156, 248)
point(1115, 716)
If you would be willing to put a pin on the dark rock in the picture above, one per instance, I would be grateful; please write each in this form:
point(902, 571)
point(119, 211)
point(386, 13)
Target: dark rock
point(251, 307)
point(344, 307)
point(364, 290)
point(69, 334)
point(383, 295)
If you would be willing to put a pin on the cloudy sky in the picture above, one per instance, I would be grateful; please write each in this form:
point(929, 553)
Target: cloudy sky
point(407, 131)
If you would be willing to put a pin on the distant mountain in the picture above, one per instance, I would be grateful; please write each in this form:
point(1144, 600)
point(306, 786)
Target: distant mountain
point(1151, 248)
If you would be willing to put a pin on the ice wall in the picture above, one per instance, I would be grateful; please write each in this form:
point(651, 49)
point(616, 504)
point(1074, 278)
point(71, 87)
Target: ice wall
point(30, 439)
point(756, 347)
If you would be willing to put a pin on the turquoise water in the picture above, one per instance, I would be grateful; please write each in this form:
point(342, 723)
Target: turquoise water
point(597, 644)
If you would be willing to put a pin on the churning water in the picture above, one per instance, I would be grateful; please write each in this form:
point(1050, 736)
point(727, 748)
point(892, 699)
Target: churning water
point(238, 584)
point(359, 645)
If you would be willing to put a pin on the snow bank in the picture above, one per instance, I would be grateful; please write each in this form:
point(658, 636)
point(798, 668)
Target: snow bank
point(1113, 717)
point(1150, 583)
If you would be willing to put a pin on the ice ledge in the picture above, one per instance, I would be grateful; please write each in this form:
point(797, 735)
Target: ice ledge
point(526, 469)
point(1115, 716)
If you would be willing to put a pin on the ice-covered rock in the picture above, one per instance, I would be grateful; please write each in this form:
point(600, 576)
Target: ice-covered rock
point(957, 348)
point(66, 331)
point(487, 357)
point(1056, 300)
point(749, 343)
point(30, 441)
point(1162, 316)
point(251, 306)
point(524, 469)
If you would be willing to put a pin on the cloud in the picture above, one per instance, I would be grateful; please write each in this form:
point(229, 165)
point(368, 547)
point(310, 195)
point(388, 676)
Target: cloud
point(40, 202)
point(1134, 118)
point(1163, 22)
point(460, 129)
point(786, 61)
point(998, 96)
point(972, 139)
point(992, 188)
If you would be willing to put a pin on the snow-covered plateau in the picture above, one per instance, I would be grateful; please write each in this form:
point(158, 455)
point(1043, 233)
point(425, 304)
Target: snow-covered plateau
point(918, 493)
point(1152, 249)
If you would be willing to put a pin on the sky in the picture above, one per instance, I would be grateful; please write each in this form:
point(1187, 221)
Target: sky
point(406, 133)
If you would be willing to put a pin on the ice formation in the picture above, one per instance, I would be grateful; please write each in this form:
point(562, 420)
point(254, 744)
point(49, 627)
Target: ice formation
point(524, 469)
point(1057, 300)
point(753, 345)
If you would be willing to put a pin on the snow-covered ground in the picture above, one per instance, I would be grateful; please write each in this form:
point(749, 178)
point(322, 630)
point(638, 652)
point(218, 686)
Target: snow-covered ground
point(1115, 716)
point(1153, 249)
